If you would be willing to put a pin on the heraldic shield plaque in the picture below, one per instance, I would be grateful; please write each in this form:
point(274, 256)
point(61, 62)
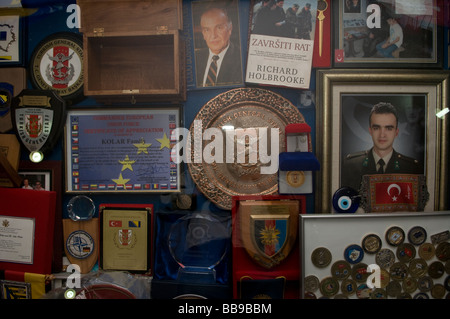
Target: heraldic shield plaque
point(268, 230)
point(38, 119)
point(198, 243)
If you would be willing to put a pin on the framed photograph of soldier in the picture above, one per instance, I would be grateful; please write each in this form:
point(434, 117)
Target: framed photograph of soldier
point(405, 252)
point(379, 33)
point(368, 115)
point(217, 43)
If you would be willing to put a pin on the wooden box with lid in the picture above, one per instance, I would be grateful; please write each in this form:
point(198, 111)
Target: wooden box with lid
point(133, 50)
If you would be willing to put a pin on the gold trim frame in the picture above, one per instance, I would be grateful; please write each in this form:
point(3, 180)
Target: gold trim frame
point(331, 84)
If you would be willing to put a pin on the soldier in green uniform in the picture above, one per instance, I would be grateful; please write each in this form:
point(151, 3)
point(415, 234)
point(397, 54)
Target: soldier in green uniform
point(381, 158)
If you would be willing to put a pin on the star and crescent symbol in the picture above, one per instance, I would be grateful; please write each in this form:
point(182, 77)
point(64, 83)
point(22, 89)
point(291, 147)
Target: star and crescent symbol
point(396, 186)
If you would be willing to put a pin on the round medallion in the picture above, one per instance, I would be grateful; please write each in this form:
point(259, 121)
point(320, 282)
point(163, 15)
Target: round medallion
point(80, 244)
point(385, 278)
point(310, 295)
point(447, 283)
point(378, 293)
point(436, 269)
point(57, 64)
point(404, 295)
point(371, 244)
point(438, 291)
point(183, 201)
point(295, 178)
point(359, 272)
point(406, 252)
point(348, 287)
point(409, 284)
point(340, 270)
point(311, 283)
point(353, 254)
point(395, 236)
point(321, 257)
point(417, 235)
point(385, 258)
point(426, 251)
point(329, 286)
point(398, 271)
point(425, 283)
point(418, 267)
point(393, 289)
point(250, 123)
point(443, 251)
point(363, 291)
point(421, 295)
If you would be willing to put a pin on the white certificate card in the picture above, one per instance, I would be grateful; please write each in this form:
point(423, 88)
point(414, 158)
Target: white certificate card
point(16, 239)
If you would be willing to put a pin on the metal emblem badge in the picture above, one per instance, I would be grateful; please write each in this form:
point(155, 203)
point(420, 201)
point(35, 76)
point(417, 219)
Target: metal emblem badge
point(57, 64)
point(38, 119)
point(80, 244)
point(268, 230)
point(125, 237)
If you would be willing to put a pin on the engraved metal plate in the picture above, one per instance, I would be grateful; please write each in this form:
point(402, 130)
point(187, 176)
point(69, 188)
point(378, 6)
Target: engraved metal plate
point(238, 110)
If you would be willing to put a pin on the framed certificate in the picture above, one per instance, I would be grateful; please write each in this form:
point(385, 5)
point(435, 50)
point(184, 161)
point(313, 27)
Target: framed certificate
point(125, 232)
point(27, 227)
point(121, 150)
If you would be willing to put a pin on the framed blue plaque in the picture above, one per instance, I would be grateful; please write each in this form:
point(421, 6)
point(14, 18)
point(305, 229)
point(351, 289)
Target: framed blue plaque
point(112, 150)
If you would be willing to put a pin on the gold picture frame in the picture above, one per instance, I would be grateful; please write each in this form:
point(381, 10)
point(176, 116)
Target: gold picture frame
point(336, 84)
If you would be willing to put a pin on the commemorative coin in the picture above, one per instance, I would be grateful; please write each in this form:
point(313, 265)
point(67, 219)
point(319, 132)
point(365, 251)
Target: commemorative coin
point(417, 235)
point(321, 257)
point(395, 236)
point(371, 243)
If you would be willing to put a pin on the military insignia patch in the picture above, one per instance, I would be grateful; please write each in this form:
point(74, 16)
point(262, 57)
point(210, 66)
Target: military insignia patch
point(268, 230)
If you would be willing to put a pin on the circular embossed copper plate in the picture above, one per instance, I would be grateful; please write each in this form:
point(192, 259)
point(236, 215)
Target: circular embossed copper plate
point(230, 164)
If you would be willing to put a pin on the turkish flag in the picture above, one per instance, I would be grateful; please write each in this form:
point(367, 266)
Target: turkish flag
point(115, 223)
point(394, 193)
